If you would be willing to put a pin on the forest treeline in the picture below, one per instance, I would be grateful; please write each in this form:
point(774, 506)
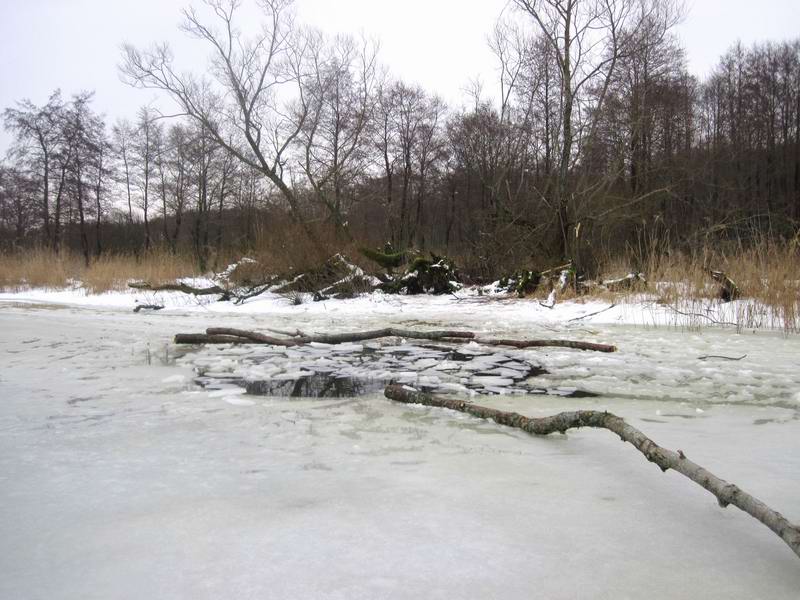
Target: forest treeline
point(594, 141)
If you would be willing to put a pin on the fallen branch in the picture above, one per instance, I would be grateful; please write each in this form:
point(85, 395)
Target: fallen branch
point(179, 287)
point(337, 338)
point(141, 307)
point(726, 493)
point(255, 290)
point(227, 335)
point(548, 344)
point(722, 357)
point(202, 338)
point(700, 316)
point(624, 283)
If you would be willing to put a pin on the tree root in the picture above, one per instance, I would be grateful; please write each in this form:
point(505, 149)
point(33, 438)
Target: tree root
point(726, 493)
point(226, 335)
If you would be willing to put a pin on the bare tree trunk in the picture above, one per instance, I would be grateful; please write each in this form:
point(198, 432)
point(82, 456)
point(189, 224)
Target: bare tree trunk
point(128, 184)
point(221, 208)
point(163, 190)
point(403, 234)
point(179, 203)
point(57, 216)
point(146, 199)
point(98, 208)
point(46, 194)
point(81, 212)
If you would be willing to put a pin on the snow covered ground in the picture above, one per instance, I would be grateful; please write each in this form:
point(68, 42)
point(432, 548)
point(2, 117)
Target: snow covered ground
point(119, 478)
point(493, 310)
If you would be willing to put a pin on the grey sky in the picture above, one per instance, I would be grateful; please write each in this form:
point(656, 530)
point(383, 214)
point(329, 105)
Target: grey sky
point(441, 44)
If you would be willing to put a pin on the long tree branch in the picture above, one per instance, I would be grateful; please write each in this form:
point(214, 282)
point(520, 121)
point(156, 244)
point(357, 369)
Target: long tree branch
point(726, 493)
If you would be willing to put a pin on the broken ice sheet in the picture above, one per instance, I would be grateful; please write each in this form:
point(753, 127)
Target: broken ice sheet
point(320, 370)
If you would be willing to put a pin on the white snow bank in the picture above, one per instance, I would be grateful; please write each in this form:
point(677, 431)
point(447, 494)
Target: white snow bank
point(639, 310)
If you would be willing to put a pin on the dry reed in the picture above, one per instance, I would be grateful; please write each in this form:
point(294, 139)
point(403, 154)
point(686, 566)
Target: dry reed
point(44, 269)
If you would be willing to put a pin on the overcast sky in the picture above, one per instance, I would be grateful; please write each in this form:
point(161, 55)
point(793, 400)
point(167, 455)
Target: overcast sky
point(440, 44)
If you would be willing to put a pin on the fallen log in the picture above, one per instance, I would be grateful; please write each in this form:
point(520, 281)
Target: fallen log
point(202, 338)
point(227, 335)
point(178, 287)
point(726, 493)
point(141, 307)
point(254, 337)
point(522, 344)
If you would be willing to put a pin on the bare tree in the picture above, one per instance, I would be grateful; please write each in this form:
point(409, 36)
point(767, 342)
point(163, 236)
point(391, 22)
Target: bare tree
point(18, 214)
point(338, 103)
point(122, 135)
point(587, 39)
point(146, 147)
point(384, 142)
point(178, 161)
point(38, 127)
point(85, 131)
point(243, 106)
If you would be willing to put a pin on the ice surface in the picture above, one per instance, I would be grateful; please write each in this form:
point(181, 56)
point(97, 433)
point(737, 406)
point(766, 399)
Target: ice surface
point(118, 481)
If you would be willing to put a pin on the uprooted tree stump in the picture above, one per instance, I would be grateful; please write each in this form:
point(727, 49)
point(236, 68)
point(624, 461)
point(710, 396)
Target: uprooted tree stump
point(227, 335)
point(522, 283)
point(389, 259)
point(435, 275)
point(729, 291)
point(526, 283)
point(726, 493)
point(334, 270)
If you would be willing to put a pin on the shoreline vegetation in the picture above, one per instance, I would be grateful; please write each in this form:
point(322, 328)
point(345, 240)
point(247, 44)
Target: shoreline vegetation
point(767, 278)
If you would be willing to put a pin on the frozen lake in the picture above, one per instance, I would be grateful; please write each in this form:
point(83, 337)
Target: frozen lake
point(119, 478)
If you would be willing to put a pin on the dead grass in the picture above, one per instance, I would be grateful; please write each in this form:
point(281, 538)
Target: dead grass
point(37, 268)
point(767, 275)
point(284, 250)
point(44, 269)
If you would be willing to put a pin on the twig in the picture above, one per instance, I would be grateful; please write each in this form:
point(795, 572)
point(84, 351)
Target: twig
point(721, 357)
point(702, 316)
point(592, 314)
